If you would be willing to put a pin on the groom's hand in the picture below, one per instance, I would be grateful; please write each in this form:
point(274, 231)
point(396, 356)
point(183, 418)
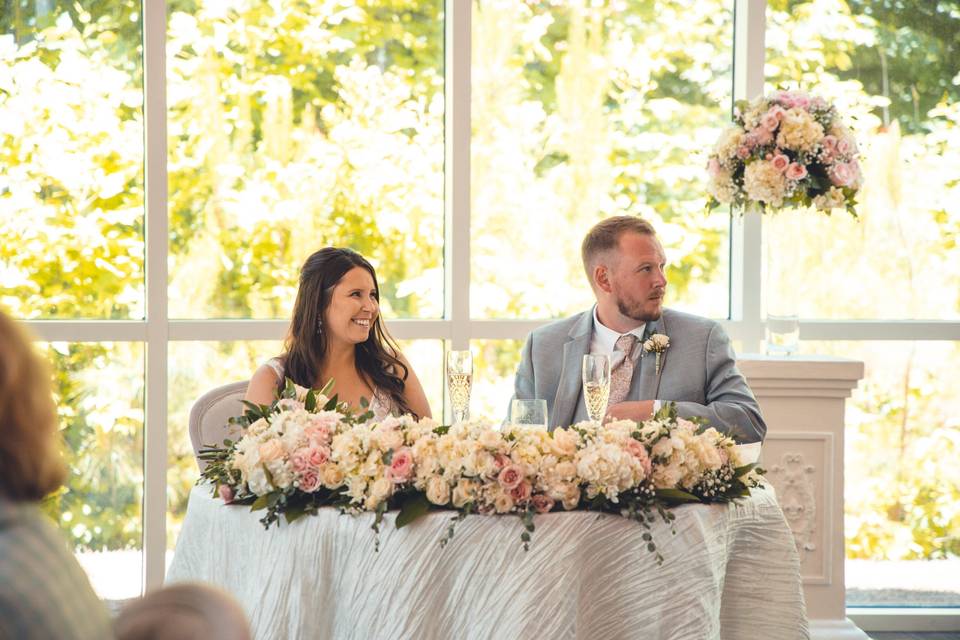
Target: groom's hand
point(632, 410)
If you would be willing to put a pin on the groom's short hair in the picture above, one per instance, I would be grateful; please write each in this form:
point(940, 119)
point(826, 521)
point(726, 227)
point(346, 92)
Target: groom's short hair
point(605, 235)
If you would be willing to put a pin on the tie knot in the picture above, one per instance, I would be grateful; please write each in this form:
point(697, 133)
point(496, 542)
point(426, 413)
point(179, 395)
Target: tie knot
point(625, 343)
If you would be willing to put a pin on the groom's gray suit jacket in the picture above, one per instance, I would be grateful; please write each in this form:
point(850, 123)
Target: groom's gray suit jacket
point(697, 371)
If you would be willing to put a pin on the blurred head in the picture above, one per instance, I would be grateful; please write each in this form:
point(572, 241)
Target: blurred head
point(338, 302)
point(183, 612)
point(624, 263)
point(29, 441)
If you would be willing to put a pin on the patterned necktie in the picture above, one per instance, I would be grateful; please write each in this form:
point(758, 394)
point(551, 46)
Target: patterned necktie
point(622, 375)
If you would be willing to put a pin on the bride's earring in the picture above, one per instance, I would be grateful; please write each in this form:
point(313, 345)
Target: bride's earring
point(319, 325)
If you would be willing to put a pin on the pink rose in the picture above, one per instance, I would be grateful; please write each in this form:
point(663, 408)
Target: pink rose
point(801, 100)
point(310, 480)
point(844, 174)
point(319, 455)
point(542, 503)
point(500, 461)
point(846, 147)
point(780, 162)
point(796, 171)
point(759, 137)
point(521, 492)
point(743, 153)
point(713, 168)
point(638, 451)
point(770, 121)
point(226, 493)
point(401, 465)
point(510, 476)
point(829, 143)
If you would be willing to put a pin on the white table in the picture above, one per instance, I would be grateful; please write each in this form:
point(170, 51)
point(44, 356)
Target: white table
point(731, 571)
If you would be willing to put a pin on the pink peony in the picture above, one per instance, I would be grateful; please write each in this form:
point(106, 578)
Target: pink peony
point(542, 503)
point(780, 162)
point(510, 476)
point(319, 455)
point(300, 460)
point(318, 435)
point(310, 480)
point(401, 465)
point(796, 171)
point(226, 493)
point(521, 492)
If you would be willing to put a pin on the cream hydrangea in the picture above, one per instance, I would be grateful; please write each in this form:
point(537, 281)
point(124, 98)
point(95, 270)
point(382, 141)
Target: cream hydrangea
point(799, 131)
point(832, 199)
point(765, 183)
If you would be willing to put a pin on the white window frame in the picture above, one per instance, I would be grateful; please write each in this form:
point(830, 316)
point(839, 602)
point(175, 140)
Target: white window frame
point(458, 328)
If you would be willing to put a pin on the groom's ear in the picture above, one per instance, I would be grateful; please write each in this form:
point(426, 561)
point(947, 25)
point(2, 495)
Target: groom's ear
point(601, 277)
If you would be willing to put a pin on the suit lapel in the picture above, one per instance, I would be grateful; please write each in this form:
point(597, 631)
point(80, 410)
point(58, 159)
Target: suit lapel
point(649, 385)
point(571, 372)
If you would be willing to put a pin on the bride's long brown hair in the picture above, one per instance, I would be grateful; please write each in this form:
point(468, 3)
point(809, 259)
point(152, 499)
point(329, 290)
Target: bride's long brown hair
point(306, 346)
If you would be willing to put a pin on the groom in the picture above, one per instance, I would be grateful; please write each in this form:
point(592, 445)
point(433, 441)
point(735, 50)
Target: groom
point(697, 370)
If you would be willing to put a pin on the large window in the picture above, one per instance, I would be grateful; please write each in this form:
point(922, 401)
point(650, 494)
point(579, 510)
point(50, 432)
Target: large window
point(464, 147)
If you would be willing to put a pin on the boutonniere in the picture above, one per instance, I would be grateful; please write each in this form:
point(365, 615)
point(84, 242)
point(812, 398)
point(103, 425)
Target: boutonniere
point(656, 343)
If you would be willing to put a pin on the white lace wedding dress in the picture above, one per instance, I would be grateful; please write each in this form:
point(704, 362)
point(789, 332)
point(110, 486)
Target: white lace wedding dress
point(380, 404)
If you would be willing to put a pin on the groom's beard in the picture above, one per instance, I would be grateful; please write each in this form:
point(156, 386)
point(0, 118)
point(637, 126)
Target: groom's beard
point(636, 311)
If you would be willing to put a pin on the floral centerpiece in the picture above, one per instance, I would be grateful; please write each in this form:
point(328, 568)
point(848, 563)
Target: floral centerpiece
point(789, 149)
point(306, 451)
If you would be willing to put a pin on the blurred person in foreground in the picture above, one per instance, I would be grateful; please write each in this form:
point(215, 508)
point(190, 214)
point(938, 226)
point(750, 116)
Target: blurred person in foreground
point(43, 591)
point(656, 355)
point(188, 611)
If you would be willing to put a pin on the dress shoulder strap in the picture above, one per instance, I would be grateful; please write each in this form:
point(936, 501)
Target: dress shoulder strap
point(277, 365)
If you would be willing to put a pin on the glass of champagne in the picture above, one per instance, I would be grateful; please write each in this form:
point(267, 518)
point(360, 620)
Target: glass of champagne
point(459, 382)
point(530, 413)
point(596, 385)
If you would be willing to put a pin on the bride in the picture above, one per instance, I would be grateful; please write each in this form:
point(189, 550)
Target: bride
point(336, 333)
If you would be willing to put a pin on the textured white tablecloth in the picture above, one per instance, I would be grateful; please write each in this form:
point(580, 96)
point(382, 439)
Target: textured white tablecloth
point(731, 571)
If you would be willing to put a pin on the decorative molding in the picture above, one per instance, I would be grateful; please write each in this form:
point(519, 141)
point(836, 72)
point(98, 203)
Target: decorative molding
point(785, 443)
point(793, 479)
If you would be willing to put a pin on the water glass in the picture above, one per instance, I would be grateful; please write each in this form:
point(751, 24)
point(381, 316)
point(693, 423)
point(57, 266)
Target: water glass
point(531, 413)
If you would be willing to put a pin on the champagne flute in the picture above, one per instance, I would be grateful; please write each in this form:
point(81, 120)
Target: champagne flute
point(459, 382)
point(596, 384)
point(530, 413)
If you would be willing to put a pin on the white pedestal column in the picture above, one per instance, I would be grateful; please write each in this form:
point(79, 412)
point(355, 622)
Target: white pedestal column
point(802, 399)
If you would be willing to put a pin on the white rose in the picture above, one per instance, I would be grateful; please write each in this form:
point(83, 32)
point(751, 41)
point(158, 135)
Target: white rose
point(438, 491)
point(257, 481)
point(391, 439)
point(332, 476)
point(503, 503)
point(464, 492)
point(381, 489)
